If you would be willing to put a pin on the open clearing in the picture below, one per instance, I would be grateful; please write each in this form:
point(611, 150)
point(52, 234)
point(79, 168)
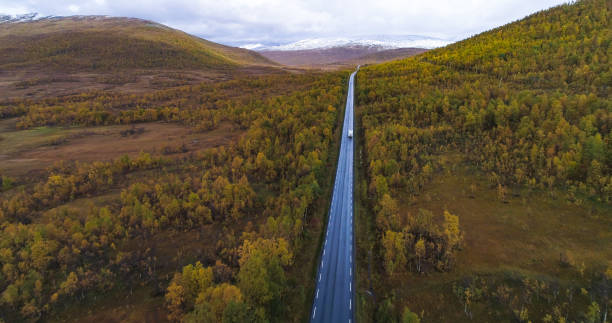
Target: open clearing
point(523, 236)
point(33, 84)
point(527, 232)
point(24, 151)
point(36, 84)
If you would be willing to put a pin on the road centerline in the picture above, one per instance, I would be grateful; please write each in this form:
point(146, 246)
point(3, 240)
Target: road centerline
point(333, 300)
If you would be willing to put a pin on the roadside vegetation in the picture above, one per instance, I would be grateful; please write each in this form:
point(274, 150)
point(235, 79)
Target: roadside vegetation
point(526, 109)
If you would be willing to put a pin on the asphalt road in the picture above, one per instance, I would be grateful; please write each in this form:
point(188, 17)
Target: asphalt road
point(333, 300)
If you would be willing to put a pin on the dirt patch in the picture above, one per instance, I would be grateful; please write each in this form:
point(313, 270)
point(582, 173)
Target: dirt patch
point(32, 150)
point(528, 232)
point(521, 237)
point(38, 84)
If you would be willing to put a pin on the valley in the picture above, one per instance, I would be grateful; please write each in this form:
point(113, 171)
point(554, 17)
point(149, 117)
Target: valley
point(150, 175)
point(339, 57)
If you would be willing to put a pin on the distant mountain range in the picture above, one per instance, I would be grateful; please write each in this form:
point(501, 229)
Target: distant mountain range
point(180, 50)
point(23, 18)
point(338, 52)
point(338, 57)
point(379, 42)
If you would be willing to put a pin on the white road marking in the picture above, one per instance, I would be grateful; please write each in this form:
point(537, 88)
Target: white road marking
point(346, 175)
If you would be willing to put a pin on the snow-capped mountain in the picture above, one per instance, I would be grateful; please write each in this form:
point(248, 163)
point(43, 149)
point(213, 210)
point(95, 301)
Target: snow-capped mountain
point(28, 17)
point(20, 18)
point(381, 42)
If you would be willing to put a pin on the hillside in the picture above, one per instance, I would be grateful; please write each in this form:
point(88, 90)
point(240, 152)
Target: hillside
point(488, 175)
point(343, 56)
point(59, 56)
point(102, 43)
point(387, 55)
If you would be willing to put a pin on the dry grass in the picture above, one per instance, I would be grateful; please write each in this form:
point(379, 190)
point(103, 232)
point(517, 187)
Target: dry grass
point(36, 83)
point(24, 151)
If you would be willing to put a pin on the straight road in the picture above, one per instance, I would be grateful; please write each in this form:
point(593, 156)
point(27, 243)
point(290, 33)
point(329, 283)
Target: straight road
point(333, 299)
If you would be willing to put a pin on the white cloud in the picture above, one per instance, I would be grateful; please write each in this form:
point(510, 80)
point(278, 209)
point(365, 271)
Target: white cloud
point(283, 21)
point(73, 8)
point(13, 8)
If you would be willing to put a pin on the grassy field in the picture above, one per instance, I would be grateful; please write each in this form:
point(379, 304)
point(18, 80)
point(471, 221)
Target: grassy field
point(37, 83)
point(30, 150)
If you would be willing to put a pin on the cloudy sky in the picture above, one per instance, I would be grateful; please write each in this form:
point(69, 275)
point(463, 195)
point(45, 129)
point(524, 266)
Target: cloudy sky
point(238, 22)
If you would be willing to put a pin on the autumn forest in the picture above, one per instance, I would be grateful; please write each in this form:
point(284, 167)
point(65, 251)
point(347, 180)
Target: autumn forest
point(483, 178)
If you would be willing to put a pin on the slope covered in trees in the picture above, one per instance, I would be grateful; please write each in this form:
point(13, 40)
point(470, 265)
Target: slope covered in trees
point(252, 209)
point(527, 104)
point(102, 44)
point(201, 106)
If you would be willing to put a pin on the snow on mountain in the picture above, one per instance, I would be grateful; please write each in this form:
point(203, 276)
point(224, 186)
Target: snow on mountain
point(28, 17)
point(253, 46)
point(19, 18)
point(380, 42)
